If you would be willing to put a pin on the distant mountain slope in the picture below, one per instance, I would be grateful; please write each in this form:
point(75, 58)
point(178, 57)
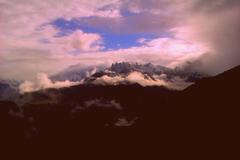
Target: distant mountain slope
point(210, 109)
point(220, 90)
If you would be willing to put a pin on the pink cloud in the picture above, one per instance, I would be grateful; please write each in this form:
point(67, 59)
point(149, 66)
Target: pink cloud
point(78, 40)
point(43, 82)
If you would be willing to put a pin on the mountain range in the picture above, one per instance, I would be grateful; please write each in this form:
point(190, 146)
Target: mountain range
point(118, 73)
point(204, 116)
point(78, 72)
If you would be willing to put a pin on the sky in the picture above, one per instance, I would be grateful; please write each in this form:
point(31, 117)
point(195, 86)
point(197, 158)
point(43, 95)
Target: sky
point(48, 36)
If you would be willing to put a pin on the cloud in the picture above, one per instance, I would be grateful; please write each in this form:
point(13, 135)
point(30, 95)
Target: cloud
point(144, 80)
point(77, 41)
point(164, 51)
point(221, 32)
point(27, 38)
point(32, 45)
point(123, 122)
point(104, 104)
point(97, 104)
point(45, 52)
point(49, 39)
point(137, 77)
point(212, 23)
point(186, 30)
point(43, 82)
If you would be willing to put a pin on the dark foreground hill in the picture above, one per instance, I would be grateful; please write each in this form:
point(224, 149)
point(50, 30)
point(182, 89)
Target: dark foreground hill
point(202, 120)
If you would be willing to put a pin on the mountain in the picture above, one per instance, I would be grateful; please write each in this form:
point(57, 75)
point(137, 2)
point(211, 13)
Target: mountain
point(213, 101)
point(151, 70)
point(200, 120)
point(76, 73)
point(79, 72)
point(145, 75)
point(9, 89)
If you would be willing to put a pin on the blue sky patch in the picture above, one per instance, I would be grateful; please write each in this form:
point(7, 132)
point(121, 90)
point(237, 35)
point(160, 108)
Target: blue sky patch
point(111, 39)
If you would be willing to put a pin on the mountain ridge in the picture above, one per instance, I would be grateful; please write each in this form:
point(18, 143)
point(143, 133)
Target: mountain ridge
point(125, 68)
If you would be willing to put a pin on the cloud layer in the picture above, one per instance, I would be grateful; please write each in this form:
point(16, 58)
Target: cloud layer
point(144, 80)
point(43, 82)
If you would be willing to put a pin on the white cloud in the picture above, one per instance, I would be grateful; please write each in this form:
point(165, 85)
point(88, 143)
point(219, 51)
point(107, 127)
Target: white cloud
point(21, 19)
point(76, 41)
point(43, 82)
point(137, 77)
point(103, 103)
point(123, 122)
point(107, 80)
point(144, 80)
